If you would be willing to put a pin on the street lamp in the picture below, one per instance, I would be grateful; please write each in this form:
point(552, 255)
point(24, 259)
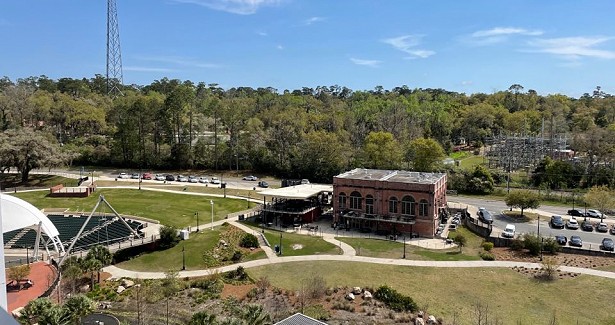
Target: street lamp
point(404, 247)
point(212, 213)
point(197, 221)
point(542, 243)
point(280, 243)
point(183, 258)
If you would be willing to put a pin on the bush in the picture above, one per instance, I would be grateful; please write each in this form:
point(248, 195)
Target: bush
point(168, 237)
point(531, 242)
point(237, 255)
point(487, 256)
point(487, 246)
point(248, 241)
point(551, 246)
point(395, 300)
point(516, 244)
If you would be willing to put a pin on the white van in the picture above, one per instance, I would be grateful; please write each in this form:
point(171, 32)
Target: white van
point(509, 231)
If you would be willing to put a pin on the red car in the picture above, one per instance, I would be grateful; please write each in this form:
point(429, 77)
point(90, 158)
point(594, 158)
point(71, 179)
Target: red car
point(147, 176)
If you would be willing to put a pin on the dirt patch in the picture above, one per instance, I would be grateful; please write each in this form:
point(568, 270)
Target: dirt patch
point(238, 291)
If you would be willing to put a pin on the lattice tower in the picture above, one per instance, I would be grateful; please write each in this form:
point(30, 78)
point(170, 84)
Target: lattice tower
point(114, 54)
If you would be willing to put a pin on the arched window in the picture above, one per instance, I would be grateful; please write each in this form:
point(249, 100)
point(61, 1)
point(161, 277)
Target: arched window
point(393, 204)
point(369, 204)
point(355, 200)
point(408, 206)
point(423, 208)
point(342, 200)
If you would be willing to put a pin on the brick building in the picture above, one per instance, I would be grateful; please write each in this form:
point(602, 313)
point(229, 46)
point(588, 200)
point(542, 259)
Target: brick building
point(389, 201)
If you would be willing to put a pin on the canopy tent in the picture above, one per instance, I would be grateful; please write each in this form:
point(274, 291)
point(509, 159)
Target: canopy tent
point(302, 191)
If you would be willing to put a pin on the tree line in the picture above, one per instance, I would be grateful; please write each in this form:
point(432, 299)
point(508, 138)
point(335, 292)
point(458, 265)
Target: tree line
point(310, 133)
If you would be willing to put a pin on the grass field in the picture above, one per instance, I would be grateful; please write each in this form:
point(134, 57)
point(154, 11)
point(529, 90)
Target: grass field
point(511, 297)
point(295, 245)
point(392, 249)
point(172, 258)
point(470, 162)
point(170, 209)
point(35, 180)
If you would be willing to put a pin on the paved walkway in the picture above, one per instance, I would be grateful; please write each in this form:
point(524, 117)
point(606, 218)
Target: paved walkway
point(41, 274)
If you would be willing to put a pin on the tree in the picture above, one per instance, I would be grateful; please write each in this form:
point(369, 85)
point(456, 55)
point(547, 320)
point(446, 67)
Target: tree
point(55, 315)
point(460, 240)
point(256, 315)
point(602, 198)
point(382, 151)
point(168, 237)
point(479, 181)
point(18, 273)
point(90, 264)
point(34, 309)
point(426, 154)
point(203, 318)
point(523, 199)
point(79, 306)
point(101, 254)
point(31, 149)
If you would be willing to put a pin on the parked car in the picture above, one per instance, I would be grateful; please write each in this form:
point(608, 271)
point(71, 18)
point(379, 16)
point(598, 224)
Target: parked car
point(135, 176)
point(147, 176)
point(203, 180)
point(576, 213)
point(123, 176)
point(572, 223)
point(587, 226)
point(250, 178)
point(485, 216)
point(575, 241)
point(263, 184)
point(169, 177)
point(159, 177)
point(561, 239)
point(305, 181)
point(193, 179)
point(613, 230)
point(594, 213)
point(509, 231)
point(557, 222)
point(182, 178)
point(602, 227)
point(215, 180)
point(607, 244)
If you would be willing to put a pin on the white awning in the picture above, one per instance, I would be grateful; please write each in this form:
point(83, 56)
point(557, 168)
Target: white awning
point(302, 191)
point(17, 214)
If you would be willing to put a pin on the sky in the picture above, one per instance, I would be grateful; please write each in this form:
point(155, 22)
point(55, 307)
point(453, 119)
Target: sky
point(551, 46)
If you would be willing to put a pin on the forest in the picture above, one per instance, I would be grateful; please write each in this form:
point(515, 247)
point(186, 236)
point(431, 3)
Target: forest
point(310, 133)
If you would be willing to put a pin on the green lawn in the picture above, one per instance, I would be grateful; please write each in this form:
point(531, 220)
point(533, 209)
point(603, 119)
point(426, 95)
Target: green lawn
point(194, 249)
point(295, 245)
point(511, 297)
point(168, 208)
point(470, 162)
point(35, 180)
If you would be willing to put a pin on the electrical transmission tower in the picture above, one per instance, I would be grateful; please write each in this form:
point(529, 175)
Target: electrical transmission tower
point(114, 55)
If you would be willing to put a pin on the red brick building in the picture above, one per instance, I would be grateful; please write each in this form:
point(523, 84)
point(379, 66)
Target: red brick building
point(394, 201)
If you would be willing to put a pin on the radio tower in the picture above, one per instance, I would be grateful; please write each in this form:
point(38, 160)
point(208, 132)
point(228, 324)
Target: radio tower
point(114, 55)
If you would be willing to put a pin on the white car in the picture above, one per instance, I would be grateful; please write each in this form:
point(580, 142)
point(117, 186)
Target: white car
point(215, 180)
point(594, 213)
point(305, 181)
point(159, 177)
point(250, 178)
point(123, 176)
point(181, 178)
point(203, 180)
point(193, 179)
point(509, 231)
point(572, 223)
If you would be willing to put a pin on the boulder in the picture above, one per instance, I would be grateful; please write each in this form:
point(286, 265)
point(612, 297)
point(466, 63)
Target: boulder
point(356, 290)
point(420, 314)
point(120, 289)
point(367, 295)
point(350, 296)
point(431, 320)
point(419, 321)
point(127, 283)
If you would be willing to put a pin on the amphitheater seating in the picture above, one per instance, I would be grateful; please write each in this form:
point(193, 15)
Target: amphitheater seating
point(10, 235)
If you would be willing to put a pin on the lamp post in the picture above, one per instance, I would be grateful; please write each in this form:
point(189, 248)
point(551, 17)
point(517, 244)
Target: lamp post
point(197, 221)
point(212, 213)
point(183, 258)
point(404, 247)
point(280, 243)
point(27, 256)
point(542, 243)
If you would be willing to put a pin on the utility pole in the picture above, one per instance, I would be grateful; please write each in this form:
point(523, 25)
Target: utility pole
point(114, 55)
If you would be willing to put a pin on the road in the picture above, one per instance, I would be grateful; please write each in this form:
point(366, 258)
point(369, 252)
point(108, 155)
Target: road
point(590, 239)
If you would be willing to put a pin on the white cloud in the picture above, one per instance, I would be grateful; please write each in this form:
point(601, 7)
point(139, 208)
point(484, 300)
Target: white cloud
point(176, 60)
point(279, 47)
point(147, 69)
point(466, 83)
point(312, 20)
point(504, 31)
point(262, 34)
point(369, 63)
point(408, 44)
point(240, 7)
point(573, 48)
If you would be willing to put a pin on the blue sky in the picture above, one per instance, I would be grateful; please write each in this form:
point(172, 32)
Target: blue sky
point(551, 46)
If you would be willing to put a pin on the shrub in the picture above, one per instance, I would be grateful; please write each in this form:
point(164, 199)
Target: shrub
point(516, 244)
point(168, 237)
point(487, 246)
point(551, 246)
point(395, 300)
point(531, 242)
point(237, 255)
point(487, 256)
point(248, 241)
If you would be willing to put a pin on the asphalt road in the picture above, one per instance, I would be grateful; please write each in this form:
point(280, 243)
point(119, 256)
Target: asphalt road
point(590, 239)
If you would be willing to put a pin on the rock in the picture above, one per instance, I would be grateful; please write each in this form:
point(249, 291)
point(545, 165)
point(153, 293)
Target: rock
point(431, 320)
point(127, 283)
point(419, 321)
point(367, 295)
point(120, 289)
point(420, 314)
point(356, 290)
point(85, 288)
point(350, 296)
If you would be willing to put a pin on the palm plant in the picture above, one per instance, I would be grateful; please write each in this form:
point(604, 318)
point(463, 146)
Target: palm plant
point(78, 306)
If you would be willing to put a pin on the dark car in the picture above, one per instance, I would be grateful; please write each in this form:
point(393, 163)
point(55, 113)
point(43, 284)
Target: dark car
point(557, 222)
point(169, 177)
point(575, 241)
point(263, 184)
point(576, 213)
point(602, 227)
point(587, 226)
point(485, 216)
point(612, 231)
point(607, 244)
point(561, 239)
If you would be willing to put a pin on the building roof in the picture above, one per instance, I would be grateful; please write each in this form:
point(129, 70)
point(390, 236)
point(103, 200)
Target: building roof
point(17, 213)
point(299, 319)
point(395, 176)
point(302, 191)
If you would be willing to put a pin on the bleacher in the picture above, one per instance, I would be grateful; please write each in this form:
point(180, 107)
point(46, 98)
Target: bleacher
point(10, 235)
